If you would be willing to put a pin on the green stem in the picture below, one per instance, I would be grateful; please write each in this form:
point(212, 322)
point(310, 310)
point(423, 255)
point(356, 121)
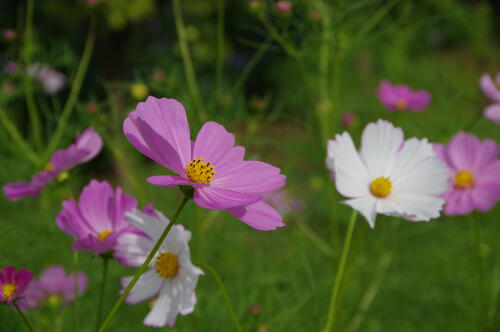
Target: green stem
point(480, 271)
point(335, 298)
point(77, 298)
point(23, 317)
point(250, 66)
point(105, 261)
point(186, 59)
point(27, 80)
point(219, 65)
point(288, 47)
point(222, 289)
point(16, 137)
point(144, 266)
point(75, 88)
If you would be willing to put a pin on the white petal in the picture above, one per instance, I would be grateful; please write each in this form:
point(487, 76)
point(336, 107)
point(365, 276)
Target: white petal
point(417, 208)
point(366, 206)
point(152, 226)
point(132, 249)
point(418, 170)
point(166, 308)
point(148, 285)
point(379, 143)
point(351, 175)
point(176, 240)
point(188, 279)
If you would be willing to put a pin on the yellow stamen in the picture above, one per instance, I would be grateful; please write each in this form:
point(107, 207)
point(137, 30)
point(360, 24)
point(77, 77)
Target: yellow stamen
point(63, 176)
point(401, 104)
point(381, 187)
point(167, 265)
point(103, 235)
point(464, 180)
point(9, 290)
point(200, 172)
point(49, 167)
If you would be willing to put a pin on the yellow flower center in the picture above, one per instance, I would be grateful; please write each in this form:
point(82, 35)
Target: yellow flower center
point(54, 301)
point(103, 235)
point(401, 104)
point(381, 187)
point(49, 167)
point(63, 176)
point(200, 172)
point(167, 265)
point(9, 290)
point(464, 180)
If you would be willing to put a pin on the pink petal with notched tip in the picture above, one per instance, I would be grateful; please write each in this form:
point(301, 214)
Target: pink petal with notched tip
point(260, 216)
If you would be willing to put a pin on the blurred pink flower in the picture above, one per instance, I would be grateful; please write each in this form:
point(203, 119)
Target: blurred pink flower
point(13, 283)
point(87, 146)
point(402, 97)
point(211, 164)
point(284, 6)
point(52, 80)
point(10, 67)
point(97, 220)
point(53, 286)
point(492, 90)
point(9, 34)
point(348, 120)
point(474, 169)
point(314, 16)
point(492, 113)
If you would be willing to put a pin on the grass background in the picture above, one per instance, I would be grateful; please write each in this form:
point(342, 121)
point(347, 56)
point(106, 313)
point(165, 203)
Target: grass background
point(401, 276)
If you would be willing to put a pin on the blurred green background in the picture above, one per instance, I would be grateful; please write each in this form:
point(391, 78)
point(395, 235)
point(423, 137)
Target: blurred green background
point(280, 81)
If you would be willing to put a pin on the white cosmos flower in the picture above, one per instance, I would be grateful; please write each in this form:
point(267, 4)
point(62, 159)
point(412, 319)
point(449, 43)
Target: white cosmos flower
point(171, 278)
point(388, 175)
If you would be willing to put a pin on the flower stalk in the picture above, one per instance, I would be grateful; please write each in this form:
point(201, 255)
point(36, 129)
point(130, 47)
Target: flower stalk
point(335, 298)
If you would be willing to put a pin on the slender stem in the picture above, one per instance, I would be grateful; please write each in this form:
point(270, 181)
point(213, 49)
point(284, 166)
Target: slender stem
point(77, 298)
point(222, 289)
point(16, 137)
point(480, 270)
point(27, 80)
point(105, 261)
point(250, 66)
point(288, 47)
point(186, 59)
point(25, 320)
point(335, 298)
point(219, 65)
point(75, 88)
point(143, 267)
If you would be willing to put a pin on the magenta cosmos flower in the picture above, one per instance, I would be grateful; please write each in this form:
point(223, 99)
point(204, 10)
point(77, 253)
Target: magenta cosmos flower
point(13, 283)
point(211, 165)
point(474, 168)
point(54, 288)
point(402, 97)
point(98, 218)
point(87, 146)
point(491, 89)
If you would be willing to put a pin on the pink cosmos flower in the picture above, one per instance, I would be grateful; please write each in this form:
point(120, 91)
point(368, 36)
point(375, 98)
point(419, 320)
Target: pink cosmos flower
point(284, 7)
point(53, 287)
point(211, 164)
point(98, 218)
point(492, 90)
point(474, 168)
point(9, 34)
point(86, 147)
point(348, 120)
point(13, 283)
point(402, 97)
